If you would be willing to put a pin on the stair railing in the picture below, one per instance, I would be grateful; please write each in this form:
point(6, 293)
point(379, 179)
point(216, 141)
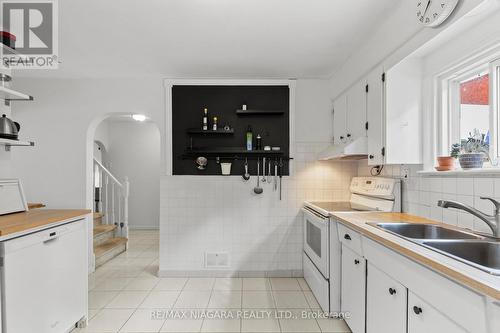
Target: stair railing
point(113, 199)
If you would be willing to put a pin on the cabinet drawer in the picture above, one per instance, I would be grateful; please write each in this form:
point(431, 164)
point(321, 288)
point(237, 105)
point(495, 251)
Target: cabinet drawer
point(350, 238)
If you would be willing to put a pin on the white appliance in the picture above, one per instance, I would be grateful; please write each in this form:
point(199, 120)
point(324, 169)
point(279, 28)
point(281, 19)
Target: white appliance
point(12, 198)
point(353, 150)
point(322, 248)
point(44, 280)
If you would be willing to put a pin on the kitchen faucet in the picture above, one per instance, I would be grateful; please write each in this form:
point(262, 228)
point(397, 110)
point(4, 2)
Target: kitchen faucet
point(493, 221)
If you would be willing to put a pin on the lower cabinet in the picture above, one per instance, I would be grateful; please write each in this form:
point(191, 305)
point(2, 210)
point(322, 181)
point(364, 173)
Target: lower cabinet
point(422, 317)
point(386, 303)
point(353, 289)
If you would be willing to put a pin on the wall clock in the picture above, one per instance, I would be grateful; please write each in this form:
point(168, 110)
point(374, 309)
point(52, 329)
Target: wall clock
point(432, 13)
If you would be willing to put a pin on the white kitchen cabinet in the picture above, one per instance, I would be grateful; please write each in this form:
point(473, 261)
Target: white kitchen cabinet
point(403, 99)
point(340, 119)
point(384, 296)
point(356, 111)
point(375, 117)
point(44, 280)
point(422, 317)
point(349, 114)
point(394, 114)
point(353, 289)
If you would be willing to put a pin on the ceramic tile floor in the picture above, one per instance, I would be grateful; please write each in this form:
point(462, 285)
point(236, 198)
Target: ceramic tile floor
point(125, 295)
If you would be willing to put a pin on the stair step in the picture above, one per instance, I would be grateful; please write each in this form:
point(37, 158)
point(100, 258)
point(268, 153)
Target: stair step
point(109, 249)
point(98, 215)
point(103, 228)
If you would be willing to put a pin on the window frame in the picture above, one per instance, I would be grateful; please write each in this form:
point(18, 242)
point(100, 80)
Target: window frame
point(448, 101)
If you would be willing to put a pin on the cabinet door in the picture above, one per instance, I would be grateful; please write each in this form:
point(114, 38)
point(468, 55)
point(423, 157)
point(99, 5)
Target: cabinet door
point(353, 289)
point(375, 116)
point(385, 303)
point(356, 110)
point(422, 317)
point(339, 119)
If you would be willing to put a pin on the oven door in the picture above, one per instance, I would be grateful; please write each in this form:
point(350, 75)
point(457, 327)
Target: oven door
point(316, 240)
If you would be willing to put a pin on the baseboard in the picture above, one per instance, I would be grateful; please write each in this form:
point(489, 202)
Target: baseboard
point(145, 227)
point(234, 274)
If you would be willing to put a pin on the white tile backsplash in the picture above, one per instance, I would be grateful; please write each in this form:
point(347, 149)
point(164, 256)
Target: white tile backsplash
point(420, 194)
point(260, 233)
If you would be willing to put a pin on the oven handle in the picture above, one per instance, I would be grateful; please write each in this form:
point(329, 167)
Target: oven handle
point(308, 210)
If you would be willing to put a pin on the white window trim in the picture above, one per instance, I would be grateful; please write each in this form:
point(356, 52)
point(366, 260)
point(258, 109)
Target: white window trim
point(169, 83)
point(445, 102)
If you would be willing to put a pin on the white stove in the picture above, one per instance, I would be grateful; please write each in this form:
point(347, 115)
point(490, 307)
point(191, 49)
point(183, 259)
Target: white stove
point(322, 248)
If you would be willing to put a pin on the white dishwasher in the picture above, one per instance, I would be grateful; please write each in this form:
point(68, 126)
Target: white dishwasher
point(44, 280)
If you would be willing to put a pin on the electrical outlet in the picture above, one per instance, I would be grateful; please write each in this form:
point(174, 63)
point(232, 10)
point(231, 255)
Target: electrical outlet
point(405, 171)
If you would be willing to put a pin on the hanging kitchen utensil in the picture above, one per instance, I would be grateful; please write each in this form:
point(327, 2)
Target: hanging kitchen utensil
point(246, 175)
point(8, 128)
point(263, 170)
point(269, 171)
point(257, 189)
point(281, 173)
point(275, 186)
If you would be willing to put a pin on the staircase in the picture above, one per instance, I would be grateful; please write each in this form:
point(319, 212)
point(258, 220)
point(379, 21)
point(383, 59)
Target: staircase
point(111, 216)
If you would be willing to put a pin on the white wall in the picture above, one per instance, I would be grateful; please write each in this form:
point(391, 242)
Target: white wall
point(133, 151)
point(55, 170)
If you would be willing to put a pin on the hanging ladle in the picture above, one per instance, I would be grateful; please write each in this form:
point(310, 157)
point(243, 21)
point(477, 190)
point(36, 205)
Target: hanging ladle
point(257, 189)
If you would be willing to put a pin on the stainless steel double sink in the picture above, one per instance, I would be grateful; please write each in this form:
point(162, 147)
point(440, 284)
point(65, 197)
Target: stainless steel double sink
point(482, 252)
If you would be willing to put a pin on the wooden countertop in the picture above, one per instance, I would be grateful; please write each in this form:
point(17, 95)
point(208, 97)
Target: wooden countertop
point(20, 222)
point(473, 278)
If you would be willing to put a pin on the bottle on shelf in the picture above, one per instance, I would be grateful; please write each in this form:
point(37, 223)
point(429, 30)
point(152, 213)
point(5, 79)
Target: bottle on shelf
point(214, 126)
point(249, 137)
point(258, 142)
point(205, 119)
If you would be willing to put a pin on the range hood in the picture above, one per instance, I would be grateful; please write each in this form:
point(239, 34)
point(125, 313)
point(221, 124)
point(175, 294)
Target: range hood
point(354, 150)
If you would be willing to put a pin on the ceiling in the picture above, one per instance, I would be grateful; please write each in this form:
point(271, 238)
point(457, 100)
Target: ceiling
point(211, 38)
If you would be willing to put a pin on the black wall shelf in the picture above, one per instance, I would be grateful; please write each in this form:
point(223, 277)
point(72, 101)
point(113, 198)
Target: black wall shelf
point(197, 131)
point(268, 117)
point(259, 112)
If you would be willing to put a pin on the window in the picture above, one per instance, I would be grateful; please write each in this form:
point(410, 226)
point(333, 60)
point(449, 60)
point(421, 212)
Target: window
point(469, 99)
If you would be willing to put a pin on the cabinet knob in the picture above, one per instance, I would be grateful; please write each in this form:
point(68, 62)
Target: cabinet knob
point(417, 310)
point(348, 135)
point(346, 236)
point(342, 138)
point(392, 291)
point(371, 157)
point(356, 261)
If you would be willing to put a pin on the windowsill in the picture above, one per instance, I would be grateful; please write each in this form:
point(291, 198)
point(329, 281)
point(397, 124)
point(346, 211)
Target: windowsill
point(461, 173)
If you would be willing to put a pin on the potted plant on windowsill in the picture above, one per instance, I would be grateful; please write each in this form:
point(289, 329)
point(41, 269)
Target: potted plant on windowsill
point(474, 151)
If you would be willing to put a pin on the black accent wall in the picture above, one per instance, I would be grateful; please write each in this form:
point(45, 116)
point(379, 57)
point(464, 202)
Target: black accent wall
point(268, 115)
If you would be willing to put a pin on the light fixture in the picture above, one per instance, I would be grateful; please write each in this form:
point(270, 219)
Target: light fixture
point(138, 117)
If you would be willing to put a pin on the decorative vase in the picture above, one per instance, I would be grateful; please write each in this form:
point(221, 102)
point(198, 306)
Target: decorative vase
point(471, 160)
point(446, 163)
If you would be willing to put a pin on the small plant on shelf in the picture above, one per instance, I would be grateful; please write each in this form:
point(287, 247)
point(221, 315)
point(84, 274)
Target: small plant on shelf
point(473, 151)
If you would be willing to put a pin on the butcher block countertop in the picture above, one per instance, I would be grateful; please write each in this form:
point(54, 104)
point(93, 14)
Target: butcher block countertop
point(25, 222)
point(466, 275)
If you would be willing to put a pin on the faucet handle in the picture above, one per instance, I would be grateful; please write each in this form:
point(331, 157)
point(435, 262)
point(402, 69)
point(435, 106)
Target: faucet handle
point(493, 201)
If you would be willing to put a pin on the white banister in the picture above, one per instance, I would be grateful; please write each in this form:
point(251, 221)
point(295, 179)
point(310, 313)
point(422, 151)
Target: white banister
point(112, 193)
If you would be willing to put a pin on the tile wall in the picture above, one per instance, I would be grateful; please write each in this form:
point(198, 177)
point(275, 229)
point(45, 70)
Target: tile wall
point(261, 234)
point(420, 194)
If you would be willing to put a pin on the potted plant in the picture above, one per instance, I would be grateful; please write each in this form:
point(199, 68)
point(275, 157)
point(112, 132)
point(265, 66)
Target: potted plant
point(473, 151)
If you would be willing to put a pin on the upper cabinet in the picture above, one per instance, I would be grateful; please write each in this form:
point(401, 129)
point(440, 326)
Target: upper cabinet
point(394, 114)
point(356, 107)
point(349, 114)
